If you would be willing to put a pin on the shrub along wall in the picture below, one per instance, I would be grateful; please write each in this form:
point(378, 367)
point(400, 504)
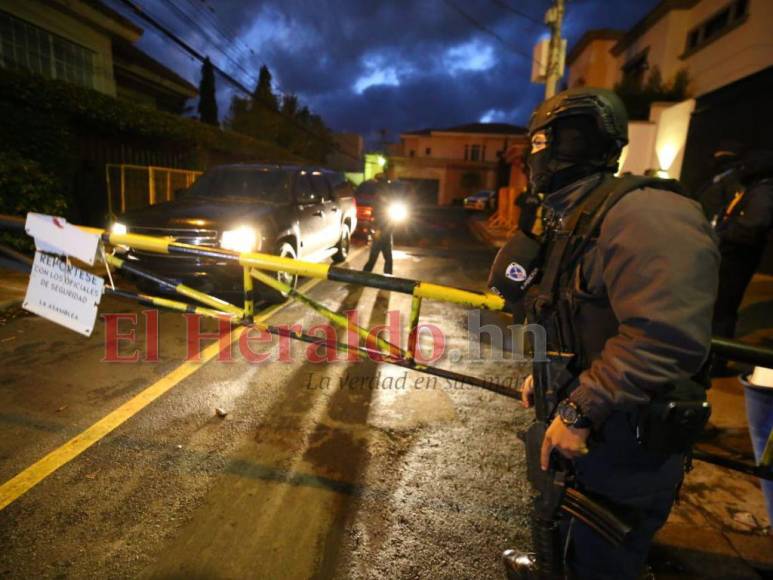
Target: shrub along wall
point(55, 139)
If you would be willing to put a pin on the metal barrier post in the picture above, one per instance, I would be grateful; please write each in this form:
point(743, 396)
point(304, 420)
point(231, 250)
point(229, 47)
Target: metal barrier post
point(413, 327)
point(151, 186)
point(187, 291)
point(249, 302)
point(334, 317)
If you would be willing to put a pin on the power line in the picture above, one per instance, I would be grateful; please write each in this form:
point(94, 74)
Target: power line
point(209, 35)
point(230, 35)
point(236, 83)
point(529, 17)
point(209, 14)
point(480, 26)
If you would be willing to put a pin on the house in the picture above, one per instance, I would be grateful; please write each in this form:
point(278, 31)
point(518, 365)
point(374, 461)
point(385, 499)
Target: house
point(723, 47)
point(87, 43)
point(444, 165)
point(142, 79)
point(590, 62)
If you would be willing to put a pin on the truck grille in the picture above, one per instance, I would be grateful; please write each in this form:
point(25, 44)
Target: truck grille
point(196, 237)
point(182, 235)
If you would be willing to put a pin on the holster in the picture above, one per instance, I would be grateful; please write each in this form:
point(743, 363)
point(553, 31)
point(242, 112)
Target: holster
point(672, 422)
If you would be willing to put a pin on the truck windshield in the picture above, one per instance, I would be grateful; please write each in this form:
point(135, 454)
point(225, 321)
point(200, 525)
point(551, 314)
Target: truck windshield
point(264, 185)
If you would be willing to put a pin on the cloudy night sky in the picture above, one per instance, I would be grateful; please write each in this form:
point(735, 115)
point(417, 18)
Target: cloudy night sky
point(368, 65)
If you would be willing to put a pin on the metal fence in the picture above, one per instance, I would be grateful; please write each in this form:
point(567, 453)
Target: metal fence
point(136, 186)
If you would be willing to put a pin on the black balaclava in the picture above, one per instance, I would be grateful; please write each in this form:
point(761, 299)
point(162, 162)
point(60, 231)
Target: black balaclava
point(576, 148)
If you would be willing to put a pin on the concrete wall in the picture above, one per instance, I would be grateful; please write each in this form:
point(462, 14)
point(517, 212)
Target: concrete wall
point(658, 144)
point(638, 155)
point(595, 66)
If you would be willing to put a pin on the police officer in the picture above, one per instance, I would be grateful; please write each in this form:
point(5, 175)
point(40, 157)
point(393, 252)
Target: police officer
point(625, 281)
point(742, 223)
point(382, 231)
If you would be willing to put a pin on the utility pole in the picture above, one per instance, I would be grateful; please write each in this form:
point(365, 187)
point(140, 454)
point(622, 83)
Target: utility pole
point(554, 18)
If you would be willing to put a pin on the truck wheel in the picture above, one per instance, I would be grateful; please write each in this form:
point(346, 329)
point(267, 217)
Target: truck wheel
point(285, 250)
point(343, 246)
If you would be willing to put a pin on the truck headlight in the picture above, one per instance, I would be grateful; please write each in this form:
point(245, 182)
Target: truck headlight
point(118, 228)
point(242, 239)
point(397, 212)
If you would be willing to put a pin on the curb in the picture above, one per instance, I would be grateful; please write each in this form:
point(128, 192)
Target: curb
point(10, 303)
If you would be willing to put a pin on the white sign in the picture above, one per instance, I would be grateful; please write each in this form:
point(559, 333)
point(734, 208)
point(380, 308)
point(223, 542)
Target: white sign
point(63, 293)
point(54, 235)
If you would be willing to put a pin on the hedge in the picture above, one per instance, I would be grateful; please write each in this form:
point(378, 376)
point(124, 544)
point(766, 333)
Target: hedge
point(107, 115)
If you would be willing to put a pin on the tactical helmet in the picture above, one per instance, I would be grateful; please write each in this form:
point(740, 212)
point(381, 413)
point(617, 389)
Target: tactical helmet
point(601, 104)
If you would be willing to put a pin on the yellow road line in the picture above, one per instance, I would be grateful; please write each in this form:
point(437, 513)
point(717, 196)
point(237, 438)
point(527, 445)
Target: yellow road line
point(21, 483)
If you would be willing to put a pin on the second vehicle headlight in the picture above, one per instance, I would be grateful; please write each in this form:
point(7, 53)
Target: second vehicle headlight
point(241, 239)
point(398, 212)
point(118, 228)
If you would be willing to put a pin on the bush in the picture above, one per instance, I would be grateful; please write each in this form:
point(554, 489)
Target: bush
point(25, 187)
point(639, 96)
point(79, 110)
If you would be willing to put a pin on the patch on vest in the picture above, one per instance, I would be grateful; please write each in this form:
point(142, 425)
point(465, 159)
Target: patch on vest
point(516, 272)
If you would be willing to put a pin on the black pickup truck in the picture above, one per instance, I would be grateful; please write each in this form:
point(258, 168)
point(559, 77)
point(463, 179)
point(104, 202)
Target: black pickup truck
point(290, 211)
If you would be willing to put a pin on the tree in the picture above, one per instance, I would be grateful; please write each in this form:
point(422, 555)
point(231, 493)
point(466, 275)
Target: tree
point(263, 92)
point(207, 100)
point(290, 105)
point(292, 125)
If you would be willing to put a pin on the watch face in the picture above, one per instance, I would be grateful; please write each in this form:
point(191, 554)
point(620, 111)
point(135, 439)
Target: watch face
point(568, 413)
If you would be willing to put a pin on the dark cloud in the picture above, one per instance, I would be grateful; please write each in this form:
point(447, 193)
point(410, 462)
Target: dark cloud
point(368, 65)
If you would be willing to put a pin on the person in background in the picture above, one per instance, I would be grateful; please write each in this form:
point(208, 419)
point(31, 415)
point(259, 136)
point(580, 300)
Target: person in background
point(742, 222)
point(382, 232)
point(715, 193)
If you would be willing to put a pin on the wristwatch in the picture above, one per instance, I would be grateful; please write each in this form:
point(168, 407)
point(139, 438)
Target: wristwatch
point(572, 416)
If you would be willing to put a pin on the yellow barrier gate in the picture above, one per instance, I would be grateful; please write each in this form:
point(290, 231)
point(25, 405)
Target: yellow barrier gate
point(254, 265)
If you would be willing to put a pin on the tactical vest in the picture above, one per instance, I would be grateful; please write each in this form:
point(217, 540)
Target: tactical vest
point(575, 321)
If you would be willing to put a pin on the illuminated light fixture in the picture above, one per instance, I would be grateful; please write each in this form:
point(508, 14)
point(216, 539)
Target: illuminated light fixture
point(118, 228)
point(662, 173)
point(381, 160)
point(666, 153)
point(398, 212)
point(241, 239)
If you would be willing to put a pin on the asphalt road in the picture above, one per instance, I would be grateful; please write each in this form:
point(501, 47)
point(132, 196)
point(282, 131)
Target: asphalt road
point(318, 470)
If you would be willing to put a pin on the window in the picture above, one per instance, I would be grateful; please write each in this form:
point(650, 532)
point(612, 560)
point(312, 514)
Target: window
point(304, 191)
point(321, 187)
point(634, 69)
point(694, 38)
point(241, 182)
point(428, 151)
point(24, 46)
point(715, 26)
point(475, 153)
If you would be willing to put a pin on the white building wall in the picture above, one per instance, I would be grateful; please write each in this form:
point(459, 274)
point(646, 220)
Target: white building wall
point(746, 49)
point(48, 17)
point(741, 51)
point(637, 156)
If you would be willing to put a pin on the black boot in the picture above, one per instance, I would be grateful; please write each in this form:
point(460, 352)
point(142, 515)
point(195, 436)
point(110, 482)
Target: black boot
point(519, 565)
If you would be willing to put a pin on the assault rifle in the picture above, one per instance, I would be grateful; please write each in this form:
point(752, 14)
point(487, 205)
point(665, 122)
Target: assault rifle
point(554, 488)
